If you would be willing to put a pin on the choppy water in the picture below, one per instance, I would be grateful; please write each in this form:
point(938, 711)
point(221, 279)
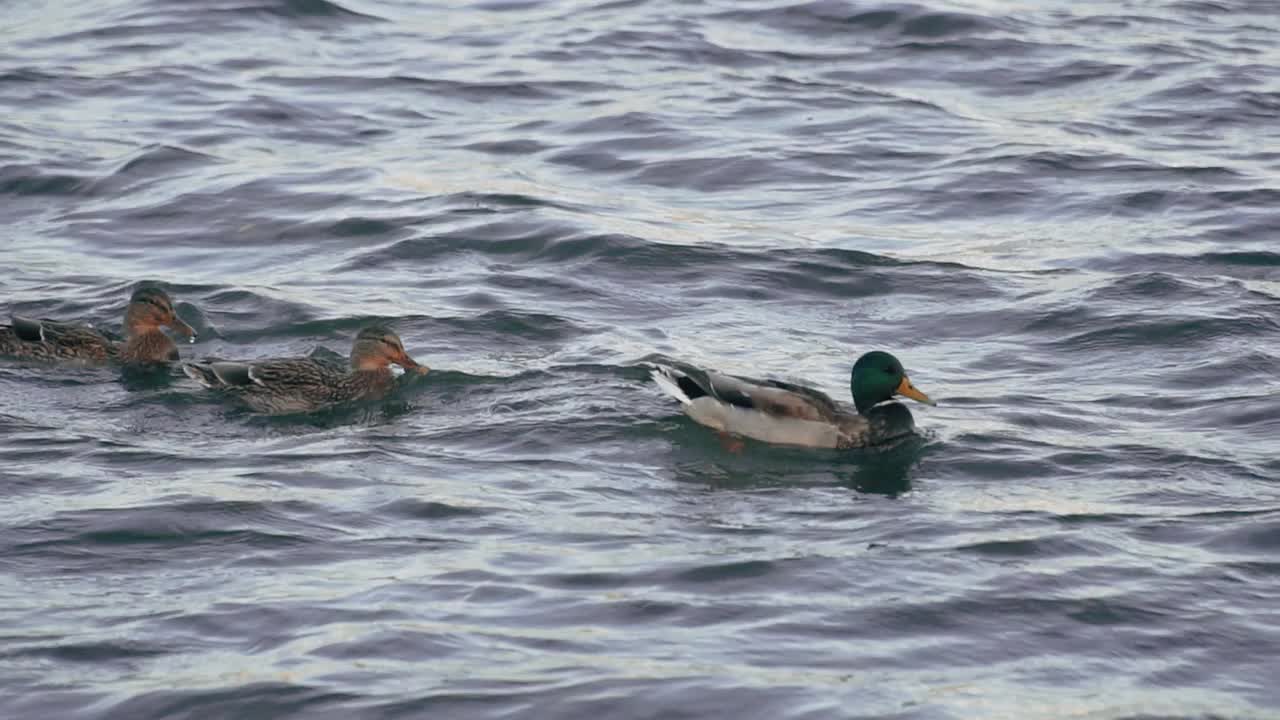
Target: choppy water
point(1062, 216)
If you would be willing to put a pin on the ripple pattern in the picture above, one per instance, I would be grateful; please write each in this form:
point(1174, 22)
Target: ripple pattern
point(1061, 215)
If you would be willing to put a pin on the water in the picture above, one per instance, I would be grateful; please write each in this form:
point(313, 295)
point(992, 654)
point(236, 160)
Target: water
point(1061, 216)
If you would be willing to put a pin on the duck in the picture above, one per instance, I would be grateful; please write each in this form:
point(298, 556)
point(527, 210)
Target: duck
point(149, 310)
point(303, 385)
point(783, 413)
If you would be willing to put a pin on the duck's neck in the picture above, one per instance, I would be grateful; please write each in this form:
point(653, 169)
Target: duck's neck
point(148, 345)
point(368, 382)
point(372, 372)
point(133, 329)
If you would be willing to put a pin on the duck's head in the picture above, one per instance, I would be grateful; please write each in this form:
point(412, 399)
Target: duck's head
point(377, 346)
point(878, 376)
point(150, 309)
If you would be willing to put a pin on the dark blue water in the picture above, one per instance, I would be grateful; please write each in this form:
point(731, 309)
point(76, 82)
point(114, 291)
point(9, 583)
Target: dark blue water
point(1064, 217)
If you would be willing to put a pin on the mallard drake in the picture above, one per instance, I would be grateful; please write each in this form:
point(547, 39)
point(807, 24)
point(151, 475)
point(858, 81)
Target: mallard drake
point(300, 385)
point(788, 414)
point(150, 309)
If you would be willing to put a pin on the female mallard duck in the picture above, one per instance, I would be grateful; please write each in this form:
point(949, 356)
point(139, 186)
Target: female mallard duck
point(300, 385)
point(149, 310)
point(787, 414)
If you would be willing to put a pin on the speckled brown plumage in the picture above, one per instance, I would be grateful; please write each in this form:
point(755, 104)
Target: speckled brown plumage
point(300, 385)
point(148, 347)
point(50, 341)
point(149, 309)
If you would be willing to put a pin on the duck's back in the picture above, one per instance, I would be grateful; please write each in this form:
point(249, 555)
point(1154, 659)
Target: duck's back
point(763, 426)
point(293, 385)
point(53, 341)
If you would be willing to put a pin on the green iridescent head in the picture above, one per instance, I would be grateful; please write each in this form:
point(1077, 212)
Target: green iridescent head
point(878, 376)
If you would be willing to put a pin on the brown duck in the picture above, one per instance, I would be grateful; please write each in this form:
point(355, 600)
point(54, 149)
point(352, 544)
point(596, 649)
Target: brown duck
point(300, 385)
point(149, 309)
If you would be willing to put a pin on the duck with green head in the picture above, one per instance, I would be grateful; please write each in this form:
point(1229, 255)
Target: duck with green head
point(785, 413)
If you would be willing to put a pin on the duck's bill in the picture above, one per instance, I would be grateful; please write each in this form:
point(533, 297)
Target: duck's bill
point(182, 328)
point(906, 389)
point(410, 365)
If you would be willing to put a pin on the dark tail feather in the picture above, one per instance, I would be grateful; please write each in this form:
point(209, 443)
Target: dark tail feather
point(677, 384)
point(691, 388)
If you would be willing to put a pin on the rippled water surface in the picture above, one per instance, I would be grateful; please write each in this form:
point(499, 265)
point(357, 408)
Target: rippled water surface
point(1064, 217)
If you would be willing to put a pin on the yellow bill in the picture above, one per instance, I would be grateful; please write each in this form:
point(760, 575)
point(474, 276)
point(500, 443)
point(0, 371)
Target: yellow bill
point(906, 389)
